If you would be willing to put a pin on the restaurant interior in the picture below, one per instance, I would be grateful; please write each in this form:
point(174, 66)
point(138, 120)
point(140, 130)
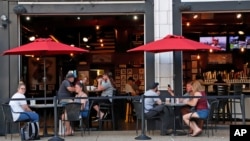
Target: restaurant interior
point(108, 37)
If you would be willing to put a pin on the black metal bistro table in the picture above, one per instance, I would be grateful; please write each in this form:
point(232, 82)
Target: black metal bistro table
point(44, 107)
point(174, 106)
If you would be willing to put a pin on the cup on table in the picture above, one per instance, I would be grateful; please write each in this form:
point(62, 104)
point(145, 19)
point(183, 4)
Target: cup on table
point(177, 100)
point(88, 88)
point(167, 100)
point(172, 100)
point(92, 87)
point(32, 102)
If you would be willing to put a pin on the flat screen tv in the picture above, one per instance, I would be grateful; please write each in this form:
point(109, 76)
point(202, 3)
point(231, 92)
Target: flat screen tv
point(233, 42)
point(236, 42)
point(216, 41)
point(247, 42)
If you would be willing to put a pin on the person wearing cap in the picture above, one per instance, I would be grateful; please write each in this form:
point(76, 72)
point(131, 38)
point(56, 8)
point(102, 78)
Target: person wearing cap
point(66, 89)
point(155, 107)
point(129, 87)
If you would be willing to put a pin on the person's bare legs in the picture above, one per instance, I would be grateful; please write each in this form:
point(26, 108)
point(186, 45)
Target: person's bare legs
point(196, 129)
point(100, 114)
point(192, 124)
point(68, 130)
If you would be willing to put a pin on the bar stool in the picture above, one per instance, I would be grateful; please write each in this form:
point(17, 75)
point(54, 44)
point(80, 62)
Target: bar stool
point(237, 87)
point(222, 90)
point(129, 110)
point(109, 109)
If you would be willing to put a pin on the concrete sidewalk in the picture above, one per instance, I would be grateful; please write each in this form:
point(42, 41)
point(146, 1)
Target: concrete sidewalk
point(222, 134)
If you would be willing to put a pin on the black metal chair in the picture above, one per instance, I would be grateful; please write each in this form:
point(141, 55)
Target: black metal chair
point(224, 104)
point(8, 119)
point(210, 118)
point(72, 111)
point(108, 108)
point(138, 113)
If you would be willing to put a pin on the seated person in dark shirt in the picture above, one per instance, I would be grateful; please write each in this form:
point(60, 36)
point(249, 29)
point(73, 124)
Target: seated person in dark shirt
point(219, 80)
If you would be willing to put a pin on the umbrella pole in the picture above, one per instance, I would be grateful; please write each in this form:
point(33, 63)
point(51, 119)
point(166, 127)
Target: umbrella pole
point(44, 79)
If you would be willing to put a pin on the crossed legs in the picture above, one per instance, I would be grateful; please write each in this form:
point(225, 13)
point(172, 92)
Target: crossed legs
point(192, 124)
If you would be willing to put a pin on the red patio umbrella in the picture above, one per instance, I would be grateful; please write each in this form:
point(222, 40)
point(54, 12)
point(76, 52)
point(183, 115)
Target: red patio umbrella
point(173, 43)
point(44, 47)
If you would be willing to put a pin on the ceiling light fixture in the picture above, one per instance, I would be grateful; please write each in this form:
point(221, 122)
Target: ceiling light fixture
point(242, 49)
point(240, 32)
point(32, 38)
point(195, 16)
point(198, 57)
point(188, 24)
point(97, 27)
point(85, 39)
point(238, 16)
point(210, 50)
point(27, 18)
point(135, 17)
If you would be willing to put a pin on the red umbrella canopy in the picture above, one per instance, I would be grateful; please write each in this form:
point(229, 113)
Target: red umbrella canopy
point(173, 43)
point(44, 47)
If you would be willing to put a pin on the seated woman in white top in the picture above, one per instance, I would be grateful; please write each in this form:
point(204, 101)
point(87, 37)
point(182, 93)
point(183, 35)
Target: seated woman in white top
point(20, 108)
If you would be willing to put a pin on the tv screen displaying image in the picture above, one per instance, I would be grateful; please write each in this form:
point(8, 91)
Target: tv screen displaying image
point(233, 42)
point(216, 41)
point(236, 42)
point(247, 42)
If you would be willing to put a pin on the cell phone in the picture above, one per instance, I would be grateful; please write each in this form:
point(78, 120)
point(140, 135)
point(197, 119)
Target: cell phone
point(169, 86)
